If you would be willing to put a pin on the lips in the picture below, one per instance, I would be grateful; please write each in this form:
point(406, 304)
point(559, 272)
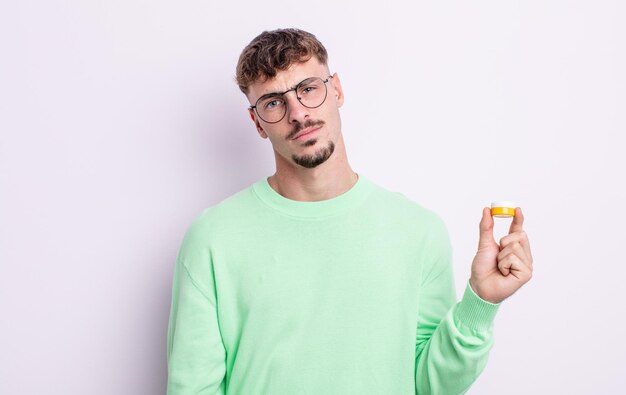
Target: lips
point(306, 132)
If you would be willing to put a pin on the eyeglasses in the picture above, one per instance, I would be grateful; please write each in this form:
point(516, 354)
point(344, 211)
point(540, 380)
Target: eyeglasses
point(311, 93)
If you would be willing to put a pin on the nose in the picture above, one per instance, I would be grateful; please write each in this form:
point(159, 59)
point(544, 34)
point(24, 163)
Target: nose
point(296, 112)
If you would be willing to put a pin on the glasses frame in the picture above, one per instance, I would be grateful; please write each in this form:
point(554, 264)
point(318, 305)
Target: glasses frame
point(295, 89)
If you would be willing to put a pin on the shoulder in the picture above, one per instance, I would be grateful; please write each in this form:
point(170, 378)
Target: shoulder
point(225, 217)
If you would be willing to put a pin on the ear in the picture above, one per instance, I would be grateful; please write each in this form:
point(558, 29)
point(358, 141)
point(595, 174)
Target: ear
point(337, 91)
point(259, 128)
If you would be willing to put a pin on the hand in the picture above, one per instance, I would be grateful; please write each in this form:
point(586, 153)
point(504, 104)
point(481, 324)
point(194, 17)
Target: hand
point(498, 271)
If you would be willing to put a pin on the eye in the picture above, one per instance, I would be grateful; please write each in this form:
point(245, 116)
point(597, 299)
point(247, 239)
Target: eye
point(307, 89)
point(272, 103)
point(310, 86)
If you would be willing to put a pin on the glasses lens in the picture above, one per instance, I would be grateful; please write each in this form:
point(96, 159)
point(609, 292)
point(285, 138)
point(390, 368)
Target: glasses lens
point(271, 108)
point(312, 92)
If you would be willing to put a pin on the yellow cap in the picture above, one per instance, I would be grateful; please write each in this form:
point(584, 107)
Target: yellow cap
point(503, 209)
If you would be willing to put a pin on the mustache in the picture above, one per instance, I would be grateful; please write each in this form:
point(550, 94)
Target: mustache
point(300, 126)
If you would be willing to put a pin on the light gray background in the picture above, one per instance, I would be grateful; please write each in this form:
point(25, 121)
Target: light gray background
point(120, 121)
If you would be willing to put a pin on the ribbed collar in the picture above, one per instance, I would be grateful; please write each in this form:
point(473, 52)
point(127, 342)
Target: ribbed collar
point(314, 210)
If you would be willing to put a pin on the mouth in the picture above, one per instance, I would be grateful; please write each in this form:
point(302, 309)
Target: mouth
point(302, 135)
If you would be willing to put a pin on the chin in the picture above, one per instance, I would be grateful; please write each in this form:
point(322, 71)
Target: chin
point(320, 156)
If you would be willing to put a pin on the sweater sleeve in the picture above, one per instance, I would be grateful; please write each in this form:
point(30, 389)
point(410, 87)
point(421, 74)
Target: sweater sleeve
point(453, 339)
point(196, 356)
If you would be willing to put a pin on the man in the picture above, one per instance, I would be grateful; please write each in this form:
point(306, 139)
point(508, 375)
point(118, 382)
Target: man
point(316, 280)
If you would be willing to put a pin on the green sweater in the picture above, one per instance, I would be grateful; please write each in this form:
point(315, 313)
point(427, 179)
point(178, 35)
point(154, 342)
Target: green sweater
point(350, 295)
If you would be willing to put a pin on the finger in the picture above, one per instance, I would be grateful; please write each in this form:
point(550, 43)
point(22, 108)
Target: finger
point(517, 237)
point(526, 245)
point(517, 250)
point(504, 265)
point(486, 229)
point(518, 221)
point(514, 266)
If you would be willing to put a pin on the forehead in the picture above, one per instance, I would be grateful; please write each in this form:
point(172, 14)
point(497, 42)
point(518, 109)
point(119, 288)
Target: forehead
point(287, 79)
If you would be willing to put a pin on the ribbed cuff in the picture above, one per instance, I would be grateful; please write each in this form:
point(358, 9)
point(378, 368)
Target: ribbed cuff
point(475, 313)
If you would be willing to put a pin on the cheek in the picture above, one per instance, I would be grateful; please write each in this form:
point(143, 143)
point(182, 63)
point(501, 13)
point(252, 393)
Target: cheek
point(278, 139)
point(333, 119)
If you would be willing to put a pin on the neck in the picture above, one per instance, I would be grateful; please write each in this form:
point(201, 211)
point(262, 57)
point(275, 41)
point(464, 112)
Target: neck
point(326, 181)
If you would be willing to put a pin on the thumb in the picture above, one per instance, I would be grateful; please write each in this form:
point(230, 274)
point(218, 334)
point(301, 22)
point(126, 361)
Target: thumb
point(486, 229)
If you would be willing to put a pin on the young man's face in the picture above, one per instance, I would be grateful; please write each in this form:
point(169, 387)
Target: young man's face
point(305, 136)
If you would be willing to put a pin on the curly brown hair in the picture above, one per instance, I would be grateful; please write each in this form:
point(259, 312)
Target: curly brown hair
point(274, 51)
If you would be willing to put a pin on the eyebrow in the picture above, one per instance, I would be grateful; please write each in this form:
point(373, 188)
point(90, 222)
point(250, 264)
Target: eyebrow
point(277, 93)
point(272, 94)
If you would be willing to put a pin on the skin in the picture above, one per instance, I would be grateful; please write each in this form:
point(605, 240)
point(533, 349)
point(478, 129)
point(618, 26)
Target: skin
point(498, 269)
point(327, 180)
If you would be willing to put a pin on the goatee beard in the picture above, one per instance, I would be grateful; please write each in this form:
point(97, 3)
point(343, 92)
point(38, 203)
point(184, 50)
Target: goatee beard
point(311, 161)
